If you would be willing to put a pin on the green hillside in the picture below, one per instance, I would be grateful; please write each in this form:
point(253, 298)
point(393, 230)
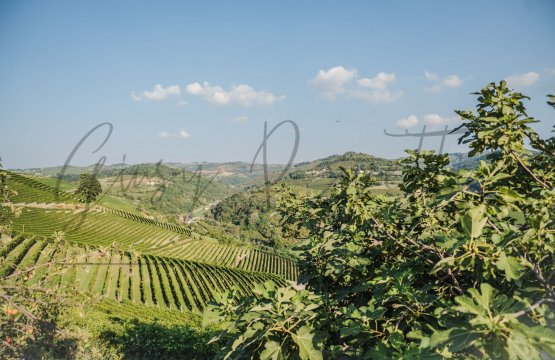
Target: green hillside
point(166, 192)
point(330, 167)
point(163, 190)
point(234, 174)
point(122, 276)
point(248, 215)
point(102, 226)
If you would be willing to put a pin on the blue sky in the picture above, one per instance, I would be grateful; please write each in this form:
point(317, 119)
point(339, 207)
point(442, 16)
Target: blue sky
point(195, 81)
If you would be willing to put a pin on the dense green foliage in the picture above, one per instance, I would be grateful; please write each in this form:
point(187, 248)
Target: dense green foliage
point(89, 188)
point(461, 266)
point(278, 318)
point(242, 209)
point(254, 217)
point(155, 341)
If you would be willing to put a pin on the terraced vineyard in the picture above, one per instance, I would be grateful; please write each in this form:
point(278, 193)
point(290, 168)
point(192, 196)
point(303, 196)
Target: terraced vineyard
point(121, 276)
point(124, 257)
point(30, 190)
point(102, 226)
point(242, 258)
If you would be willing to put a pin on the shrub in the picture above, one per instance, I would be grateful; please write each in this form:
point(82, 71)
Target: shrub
point(461, 265)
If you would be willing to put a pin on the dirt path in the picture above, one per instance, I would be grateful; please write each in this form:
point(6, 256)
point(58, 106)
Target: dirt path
point(60, 206)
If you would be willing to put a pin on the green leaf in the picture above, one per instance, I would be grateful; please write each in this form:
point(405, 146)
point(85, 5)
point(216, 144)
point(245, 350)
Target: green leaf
point(351, 330)
point(466, 305)
point(286, 295)
point(304, 340)
point(272, 351)
point(512, 267)
point(508, 195)
point(479, 303)
point(544, 337)
point(519, 347)
point(458, 339)
point(474, 221)
point(210, 316)
point(462, 339)
point(234, 346)
point(444, 263)
point(311, 307)
point(484, 298)
point(237, 342)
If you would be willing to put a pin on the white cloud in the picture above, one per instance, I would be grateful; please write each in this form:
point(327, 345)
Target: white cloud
point(523, 80)
point(164, 135)
point(239, 120)
point(436, 119)
point(437, 88)
point(331, 83)
point(159, 93)
point(378, 85)
point(379, 82)
point(377, 96)
point(430, 119)
point(338, 80)
point(452, 81)
point(241, 94)
point(439, 83)
point(183, 134)
point(407, 122)
point(195, 89)
point(431, 76)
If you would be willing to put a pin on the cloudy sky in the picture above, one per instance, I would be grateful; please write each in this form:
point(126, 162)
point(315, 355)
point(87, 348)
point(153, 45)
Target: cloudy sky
point(195, 81)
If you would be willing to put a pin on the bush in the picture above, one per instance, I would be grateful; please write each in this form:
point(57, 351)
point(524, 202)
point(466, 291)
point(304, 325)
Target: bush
point(155, 341)
point(461, 265)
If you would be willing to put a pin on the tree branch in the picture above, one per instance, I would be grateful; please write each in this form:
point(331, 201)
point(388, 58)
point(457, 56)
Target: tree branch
point(525, 168)
point(533, 307)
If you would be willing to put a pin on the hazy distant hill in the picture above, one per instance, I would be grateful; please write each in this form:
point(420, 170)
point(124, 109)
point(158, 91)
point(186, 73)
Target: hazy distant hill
point(329, 167)
point(462, 161)
point(236, 173)
point(184, 191)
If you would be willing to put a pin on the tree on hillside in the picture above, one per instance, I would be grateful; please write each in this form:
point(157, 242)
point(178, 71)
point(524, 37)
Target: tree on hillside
point(89, 188)
point(461, 266)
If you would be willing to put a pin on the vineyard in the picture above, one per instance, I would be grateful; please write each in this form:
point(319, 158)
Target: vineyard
point(123, 258)
point(31, 190)
point(122, 276)
point(102, 226)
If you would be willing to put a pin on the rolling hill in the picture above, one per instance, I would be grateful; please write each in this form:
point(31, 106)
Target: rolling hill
point(127, 257)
